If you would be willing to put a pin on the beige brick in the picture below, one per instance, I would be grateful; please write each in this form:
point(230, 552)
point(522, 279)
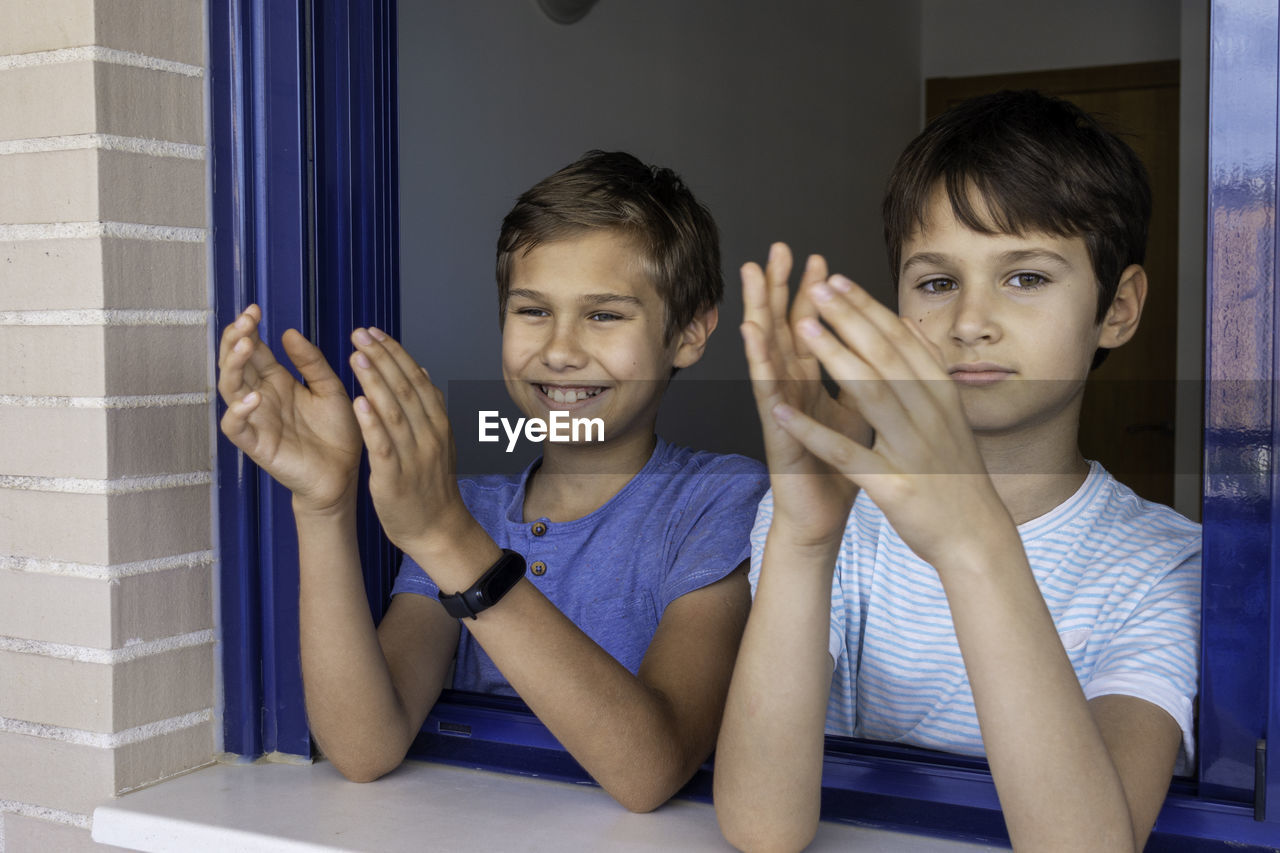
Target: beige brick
point(49, 186)
point(25, 834)
point(55, 526)
point(149, 103)
point(55, 774)
point(162, 604)
point(48, 100)
point(147, 525)
point(100, 697)
point(98, 443)
point(156, 359)
point(151, 190)
point(52, 274)
point(168, 29)
point(101, 530)
point(56, 692)
point(88, 185)
point(163, 756)
point(159, 440)
point(158, 687)
point(27, 26)
point(102, 273)
point(54, 360)
point(56, 442)
point(56, 609)
point(154, 274)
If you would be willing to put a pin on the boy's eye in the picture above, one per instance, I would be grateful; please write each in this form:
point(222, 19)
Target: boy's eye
point(604, 316)
point(1027, 280)
point(528, 311)
point(938, 285)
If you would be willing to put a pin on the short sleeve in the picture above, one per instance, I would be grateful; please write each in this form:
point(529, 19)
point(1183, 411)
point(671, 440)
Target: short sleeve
point(411, 578)
point(1154, 654)
point(712, 535)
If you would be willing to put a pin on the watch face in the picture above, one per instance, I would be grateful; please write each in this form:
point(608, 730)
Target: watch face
point(496, 582)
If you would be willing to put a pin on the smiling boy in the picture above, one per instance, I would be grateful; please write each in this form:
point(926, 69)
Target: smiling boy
point(965, 580)
point(621, 635)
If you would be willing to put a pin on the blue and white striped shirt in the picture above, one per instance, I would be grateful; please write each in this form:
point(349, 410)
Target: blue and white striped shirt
point(1121, 577)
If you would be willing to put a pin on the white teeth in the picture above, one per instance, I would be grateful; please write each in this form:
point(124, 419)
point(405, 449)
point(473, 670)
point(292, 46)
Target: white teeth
point(572, 395)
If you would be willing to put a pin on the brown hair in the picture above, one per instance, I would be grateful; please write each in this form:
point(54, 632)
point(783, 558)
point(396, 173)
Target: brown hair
point(1035, 163)
point(677, 239)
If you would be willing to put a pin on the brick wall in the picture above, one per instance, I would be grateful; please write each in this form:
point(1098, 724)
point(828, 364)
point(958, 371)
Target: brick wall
point(107, 670)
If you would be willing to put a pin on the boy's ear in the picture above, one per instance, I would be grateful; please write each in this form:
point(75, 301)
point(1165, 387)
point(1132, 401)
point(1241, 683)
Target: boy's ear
point(1121, 320)
point(693, 340)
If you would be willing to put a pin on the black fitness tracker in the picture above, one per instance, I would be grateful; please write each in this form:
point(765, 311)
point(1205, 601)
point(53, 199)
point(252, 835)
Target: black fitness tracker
point(488, 590)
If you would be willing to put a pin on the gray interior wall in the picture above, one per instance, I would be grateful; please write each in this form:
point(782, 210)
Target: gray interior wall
point(962, 39)
point(763, 107)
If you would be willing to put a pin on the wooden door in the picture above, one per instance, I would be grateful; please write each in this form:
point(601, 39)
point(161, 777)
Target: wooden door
point(1128, 418)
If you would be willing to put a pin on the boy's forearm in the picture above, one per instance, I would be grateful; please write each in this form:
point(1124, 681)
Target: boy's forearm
point(769, 757)
point(1058, 786)
point(624, 732)
point(352, 705)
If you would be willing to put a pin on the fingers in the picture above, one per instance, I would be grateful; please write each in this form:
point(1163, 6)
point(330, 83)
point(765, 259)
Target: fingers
point(235, 422)
point(242, 356)
point(377, 440)
point(311, 364)
point(399, 392)
point(815, 272)
point(777, 272)
point(760, 366)
point(891, 376)
point(245, 324)
point(875, 333)
point(843, 454)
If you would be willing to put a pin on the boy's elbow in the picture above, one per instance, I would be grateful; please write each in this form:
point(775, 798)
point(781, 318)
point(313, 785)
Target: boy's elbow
point(365, 767)
point(755, 820)
point(362, 772)
point(643, 796)
point(757, 835)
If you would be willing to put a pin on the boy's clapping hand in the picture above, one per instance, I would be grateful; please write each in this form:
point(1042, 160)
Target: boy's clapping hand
point(302, 435)
point(924, 469)
point(809, 494)
point(411, 451)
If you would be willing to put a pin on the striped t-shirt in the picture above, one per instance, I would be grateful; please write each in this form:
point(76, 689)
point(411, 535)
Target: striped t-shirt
point(1121, 577)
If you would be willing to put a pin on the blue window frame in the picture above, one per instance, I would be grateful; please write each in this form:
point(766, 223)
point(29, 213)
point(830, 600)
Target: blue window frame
point(305, 222)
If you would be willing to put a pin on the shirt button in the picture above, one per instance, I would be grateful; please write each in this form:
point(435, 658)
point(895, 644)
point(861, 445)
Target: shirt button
point(539, 568)
point(539, 528)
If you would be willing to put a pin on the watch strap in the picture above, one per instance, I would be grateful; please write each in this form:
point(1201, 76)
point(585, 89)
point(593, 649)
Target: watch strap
point(488, 590)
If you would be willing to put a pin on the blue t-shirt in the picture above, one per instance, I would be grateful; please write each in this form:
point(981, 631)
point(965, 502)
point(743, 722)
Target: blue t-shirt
point(680, 524)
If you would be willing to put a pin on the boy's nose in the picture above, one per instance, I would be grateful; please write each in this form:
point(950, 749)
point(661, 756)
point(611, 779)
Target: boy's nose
point(562, 349)
point(974, 317)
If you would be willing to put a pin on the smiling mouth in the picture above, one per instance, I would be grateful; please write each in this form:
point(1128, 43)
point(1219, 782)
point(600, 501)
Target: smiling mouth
point(569, 393)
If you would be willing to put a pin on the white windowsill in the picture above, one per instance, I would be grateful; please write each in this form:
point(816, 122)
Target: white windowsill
point(311, 808)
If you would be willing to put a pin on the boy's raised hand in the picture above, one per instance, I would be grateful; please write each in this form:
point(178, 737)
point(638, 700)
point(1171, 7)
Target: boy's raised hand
point(411, 451)
point(811, 498)
point(924, 470)
point(302, 435)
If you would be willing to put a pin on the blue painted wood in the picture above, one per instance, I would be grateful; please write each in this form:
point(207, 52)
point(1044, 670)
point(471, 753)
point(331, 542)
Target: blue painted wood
point(355, 194)
point(289, 118)
point(1239, 666)
point(259, 254)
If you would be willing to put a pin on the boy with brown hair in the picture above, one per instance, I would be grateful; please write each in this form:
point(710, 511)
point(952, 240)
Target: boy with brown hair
point(621, 637)
point(936, 563)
